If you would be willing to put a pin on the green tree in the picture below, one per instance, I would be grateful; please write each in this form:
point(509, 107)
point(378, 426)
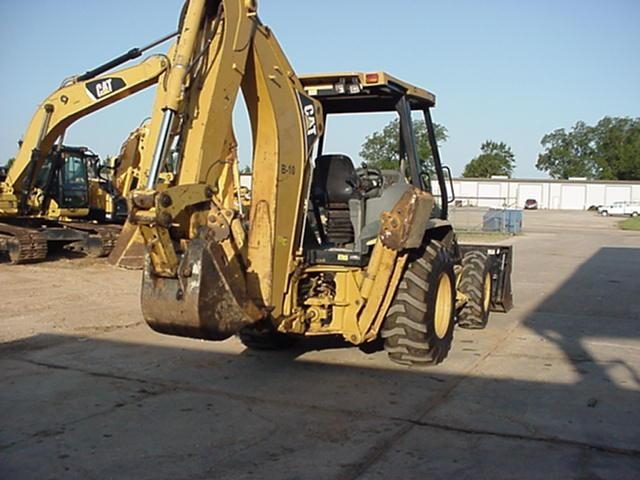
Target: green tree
point(494, 159)
point(245, 170)
point(616, 145)
point(9, 162)
point(569, 154)
point(382, 149)
point(610, 150)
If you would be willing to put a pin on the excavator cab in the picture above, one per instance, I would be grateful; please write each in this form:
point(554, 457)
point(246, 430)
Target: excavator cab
point(64, 180)
point(74, 179)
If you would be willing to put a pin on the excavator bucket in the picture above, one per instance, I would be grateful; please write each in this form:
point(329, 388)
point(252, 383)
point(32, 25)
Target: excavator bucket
point(200, 302)
point(129, 249)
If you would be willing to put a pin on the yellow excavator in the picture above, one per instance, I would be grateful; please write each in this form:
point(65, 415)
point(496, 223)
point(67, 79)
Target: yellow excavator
point(53, 192)
point(326, 249)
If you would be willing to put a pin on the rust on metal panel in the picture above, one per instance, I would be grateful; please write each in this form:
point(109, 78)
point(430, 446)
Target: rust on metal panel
point(404, 225)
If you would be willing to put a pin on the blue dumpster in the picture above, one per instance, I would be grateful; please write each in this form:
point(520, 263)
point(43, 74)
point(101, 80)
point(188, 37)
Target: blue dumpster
point(502, 220)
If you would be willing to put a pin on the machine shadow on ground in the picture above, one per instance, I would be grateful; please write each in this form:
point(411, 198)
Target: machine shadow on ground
point(117, 406)
point(599, 306)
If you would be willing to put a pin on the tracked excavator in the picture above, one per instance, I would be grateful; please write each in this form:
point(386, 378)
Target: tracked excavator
point(326, 248)
point(49, 194)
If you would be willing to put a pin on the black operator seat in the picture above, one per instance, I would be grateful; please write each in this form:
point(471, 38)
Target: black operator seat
point(335, 182)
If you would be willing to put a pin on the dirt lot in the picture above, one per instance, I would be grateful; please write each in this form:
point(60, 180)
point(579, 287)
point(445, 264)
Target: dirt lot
point(549, 390)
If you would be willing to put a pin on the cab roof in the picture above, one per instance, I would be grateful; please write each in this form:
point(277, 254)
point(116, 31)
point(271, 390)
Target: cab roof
point(359, 92)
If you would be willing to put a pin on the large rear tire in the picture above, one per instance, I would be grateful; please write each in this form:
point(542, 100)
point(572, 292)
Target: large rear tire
point(418, 328)
point(476, 284)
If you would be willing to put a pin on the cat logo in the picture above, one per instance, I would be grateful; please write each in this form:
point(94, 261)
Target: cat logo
point(105, 86)
point(309, 117)
point(310, 113)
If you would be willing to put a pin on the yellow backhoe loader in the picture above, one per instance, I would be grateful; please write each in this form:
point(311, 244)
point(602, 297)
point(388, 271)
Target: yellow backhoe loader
point(327, 249)
point(53, 192)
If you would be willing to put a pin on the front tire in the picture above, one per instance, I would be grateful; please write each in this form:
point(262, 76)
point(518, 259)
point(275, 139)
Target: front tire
point(418, 327)
point(476, 284)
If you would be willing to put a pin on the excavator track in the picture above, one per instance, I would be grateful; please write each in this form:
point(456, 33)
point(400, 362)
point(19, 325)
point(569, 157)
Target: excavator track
point(102, 238)
point(23, 245)
point(108, 237)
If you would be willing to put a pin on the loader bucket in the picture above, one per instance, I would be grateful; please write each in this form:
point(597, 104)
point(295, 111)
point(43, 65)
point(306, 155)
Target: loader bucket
point(502, 255)
point(129, 249)
point(200, 302)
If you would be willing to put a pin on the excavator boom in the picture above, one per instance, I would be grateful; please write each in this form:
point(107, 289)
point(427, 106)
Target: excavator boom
point(70, 103)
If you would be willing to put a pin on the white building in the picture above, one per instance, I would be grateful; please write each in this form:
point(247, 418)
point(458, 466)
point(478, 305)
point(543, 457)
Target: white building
point(574, 194)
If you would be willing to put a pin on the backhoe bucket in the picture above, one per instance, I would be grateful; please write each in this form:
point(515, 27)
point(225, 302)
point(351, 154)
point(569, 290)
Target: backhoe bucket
point(200, 302)
point(129, 249)
point(501, 255)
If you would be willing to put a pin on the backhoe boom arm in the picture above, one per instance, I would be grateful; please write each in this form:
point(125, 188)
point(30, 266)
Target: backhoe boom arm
point(222, 49)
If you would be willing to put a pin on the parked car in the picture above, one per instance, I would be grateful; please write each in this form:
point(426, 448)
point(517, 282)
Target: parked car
point(620, 208)
point(531, 204)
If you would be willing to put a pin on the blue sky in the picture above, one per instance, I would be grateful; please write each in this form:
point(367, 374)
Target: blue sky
point(502, 70)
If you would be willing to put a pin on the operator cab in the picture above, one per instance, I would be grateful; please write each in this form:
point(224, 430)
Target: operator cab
point(345, 201)
point(64, 177)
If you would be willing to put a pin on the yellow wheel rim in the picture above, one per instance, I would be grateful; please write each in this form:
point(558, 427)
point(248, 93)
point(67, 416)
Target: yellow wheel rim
point(487, 292)
point(444, 309)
